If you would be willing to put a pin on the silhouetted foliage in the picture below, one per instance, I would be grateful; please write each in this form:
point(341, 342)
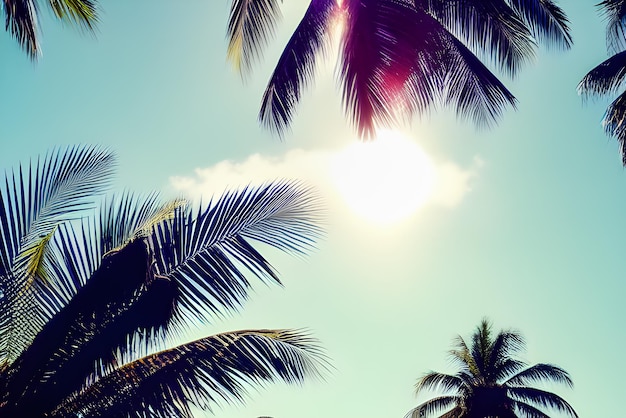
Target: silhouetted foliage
point(491, 381)
point(399, 57)
point(607, 78)
point(91, 296)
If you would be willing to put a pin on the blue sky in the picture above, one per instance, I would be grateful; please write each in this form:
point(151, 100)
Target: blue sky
point(532, 235)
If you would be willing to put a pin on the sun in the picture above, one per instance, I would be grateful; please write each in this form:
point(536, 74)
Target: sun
point(385, 180)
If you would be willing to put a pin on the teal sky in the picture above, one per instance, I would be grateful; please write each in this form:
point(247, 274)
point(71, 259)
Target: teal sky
point(534, 239)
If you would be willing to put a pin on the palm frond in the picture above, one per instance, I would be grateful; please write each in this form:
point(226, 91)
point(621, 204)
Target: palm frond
point(542, 399)
point(207, 254)
point(32, 204)
point(614, 12)
point(83, 13)
point(128, 216)
point(250, 25)
point(546, 21)
point(505, 346)
point(433, 407)
point(474, 91)
point(528, 411)
point(606, 78)
point(296, 65)
point(36, 259)
point(204, 373)
point(490, 27)
point(614, 123)
point(540, 373)
point(439, 382)
point(120, 298)
point(21, 22)
point(462, 356)
point(390, 62)
point(506, 368)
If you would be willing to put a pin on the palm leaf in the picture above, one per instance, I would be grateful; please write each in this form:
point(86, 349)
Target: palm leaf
point(21, 22)
point(80, 12)
point(204, 373)
point(614, 12)
point(120, 298)
point(433, 406)
point(390, 62)
point(539, 373)
point(615, 125)
point(127, 216)
point(542, 399)
point(32, 204)
point(250, 25)
point(488, 26)
point(546, 21)
point(606, 78)
point(439, 382)
point(473, 90)
point(207, 254)
point(529, 411)
point(296, 66)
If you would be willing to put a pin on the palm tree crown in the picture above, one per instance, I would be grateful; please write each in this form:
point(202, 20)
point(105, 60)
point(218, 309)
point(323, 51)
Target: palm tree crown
point(491, 381)
point(22, 19)
point(608, 77)
point(399, 57)
point(91, 296)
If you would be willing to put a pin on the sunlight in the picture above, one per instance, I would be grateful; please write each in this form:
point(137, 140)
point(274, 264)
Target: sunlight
point(384, 180)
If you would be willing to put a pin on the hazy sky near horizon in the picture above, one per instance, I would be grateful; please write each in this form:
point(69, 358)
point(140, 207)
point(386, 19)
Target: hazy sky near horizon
point(528, 228)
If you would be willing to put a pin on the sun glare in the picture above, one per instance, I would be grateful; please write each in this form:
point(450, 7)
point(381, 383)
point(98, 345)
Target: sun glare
point(384, 180)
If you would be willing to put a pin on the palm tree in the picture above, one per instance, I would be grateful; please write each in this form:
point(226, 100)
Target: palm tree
point(93, 297)
point(399, 57)
point(491, 381)
point(608, 77)
point(22, 19)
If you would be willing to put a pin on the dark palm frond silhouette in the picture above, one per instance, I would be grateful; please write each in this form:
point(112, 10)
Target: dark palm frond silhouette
point(22, 19)
point(91, 296)
point(399, 57)
point(607, 79)
point(491, 381)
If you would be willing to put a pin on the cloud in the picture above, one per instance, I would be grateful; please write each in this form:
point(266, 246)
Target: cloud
point(452, 182)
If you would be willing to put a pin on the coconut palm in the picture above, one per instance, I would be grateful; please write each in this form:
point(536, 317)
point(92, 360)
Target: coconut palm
point(399, 57)
point(491, 381)
point(93, 298)
point(608, 77)
point(22, 19)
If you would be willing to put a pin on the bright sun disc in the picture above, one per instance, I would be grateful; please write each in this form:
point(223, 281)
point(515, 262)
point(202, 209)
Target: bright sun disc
point(384, 180)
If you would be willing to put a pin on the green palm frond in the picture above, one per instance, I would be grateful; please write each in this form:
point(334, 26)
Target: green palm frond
point(207, 254)
point(250, 25)
point(203, 373)
point(36, 260)
point(462, 357)
point(83, 13)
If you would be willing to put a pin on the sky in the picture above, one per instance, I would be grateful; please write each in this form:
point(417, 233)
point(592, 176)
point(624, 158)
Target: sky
point(524, 224)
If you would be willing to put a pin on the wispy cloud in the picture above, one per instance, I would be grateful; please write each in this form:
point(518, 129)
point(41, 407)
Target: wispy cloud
point(452, 182)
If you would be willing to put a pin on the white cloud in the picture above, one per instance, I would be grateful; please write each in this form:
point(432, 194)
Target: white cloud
point(452, 182)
